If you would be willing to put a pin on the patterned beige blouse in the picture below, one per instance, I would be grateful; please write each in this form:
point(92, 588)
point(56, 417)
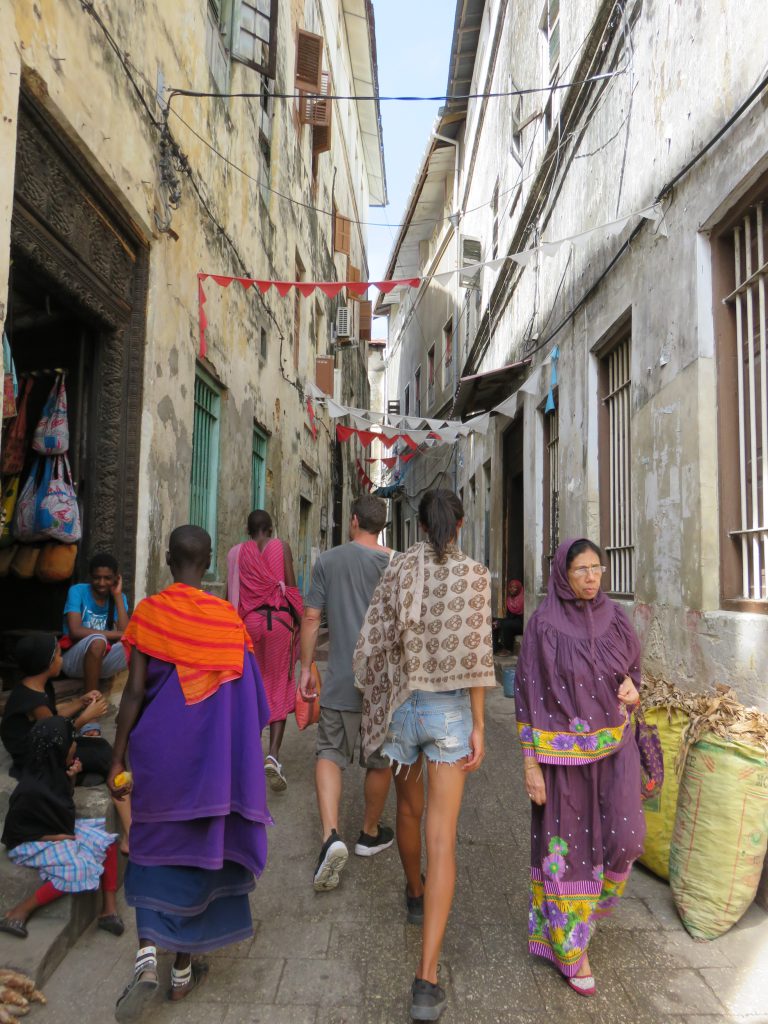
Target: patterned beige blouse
point(428, 627)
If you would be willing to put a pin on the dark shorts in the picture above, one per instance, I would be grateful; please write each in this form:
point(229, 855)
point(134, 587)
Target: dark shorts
point(338, 733)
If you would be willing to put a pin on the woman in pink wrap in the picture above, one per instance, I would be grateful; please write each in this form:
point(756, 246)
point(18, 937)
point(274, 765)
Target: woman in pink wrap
point(261, 584)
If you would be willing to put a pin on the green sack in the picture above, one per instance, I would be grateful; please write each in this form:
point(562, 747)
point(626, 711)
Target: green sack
point(720, 836)
point(659, 809)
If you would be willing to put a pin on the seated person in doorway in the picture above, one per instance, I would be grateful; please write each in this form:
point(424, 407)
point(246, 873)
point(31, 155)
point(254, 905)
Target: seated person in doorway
point(34, 700)
point(41, 832)
point(511, 625)
point(95, 618)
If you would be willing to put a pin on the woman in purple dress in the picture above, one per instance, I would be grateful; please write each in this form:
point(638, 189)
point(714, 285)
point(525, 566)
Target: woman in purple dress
point(578, 674)
point(193, 703)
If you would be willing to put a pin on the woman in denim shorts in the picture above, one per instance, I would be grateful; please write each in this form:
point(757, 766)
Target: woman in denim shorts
point(423, 661)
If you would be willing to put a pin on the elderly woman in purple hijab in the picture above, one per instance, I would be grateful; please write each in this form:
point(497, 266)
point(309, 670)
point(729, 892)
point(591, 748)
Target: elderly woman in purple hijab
point(577, 676)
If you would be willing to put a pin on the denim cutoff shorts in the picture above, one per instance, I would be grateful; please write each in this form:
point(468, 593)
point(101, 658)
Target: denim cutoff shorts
point(436, 724)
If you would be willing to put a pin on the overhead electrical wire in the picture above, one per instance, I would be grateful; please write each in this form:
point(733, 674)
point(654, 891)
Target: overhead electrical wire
point(460, 98)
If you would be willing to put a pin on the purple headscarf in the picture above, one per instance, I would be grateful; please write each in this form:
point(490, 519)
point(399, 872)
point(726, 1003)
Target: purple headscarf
point(575, 655)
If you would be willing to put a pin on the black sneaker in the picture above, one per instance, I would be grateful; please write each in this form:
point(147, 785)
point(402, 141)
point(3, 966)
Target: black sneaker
point(333, 857)
point(414, 906)
point(427, 1000)
point(368, 846)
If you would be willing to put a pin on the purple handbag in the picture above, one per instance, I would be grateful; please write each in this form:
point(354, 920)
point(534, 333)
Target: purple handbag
point(651, 756)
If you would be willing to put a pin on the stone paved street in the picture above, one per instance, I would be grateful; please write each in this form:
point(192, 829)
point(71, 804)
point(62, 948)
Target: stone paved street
point(348, 956)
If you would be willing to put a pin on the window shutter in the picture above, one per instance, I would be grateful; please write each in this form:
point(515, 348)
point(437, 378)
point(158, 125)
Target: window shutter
point(353, 276)
point(324, 366)
point(321, 139)
point(342, 241)
point(366, 320)
point(314, 109)
point(254, 34)
point(309, 62)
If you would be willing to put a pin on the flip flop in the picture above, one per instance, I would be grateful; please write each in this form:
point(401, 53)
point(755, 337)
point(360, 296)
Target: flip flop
point(198, 976)
point(136, 997)
point(111, 923)
point(585, 985)
point(14, 926)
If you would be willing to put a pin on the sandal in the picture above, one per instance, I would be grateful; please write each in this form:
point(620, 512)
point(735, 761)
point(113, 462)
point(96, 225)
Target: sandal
point(183, 982)
point(585, 985)
point(140, 991)
point(111, 923)
point(14, 926)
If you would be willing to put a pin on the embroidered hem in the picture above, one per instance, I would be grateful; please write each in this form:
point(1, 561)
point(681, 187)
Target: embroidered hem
point(562, 915)
point(569, 748)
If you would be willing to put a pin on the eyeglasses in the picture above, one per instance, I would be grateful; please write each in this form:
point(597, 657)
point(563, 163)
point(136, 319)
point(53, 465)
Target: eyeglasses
point(590, 570)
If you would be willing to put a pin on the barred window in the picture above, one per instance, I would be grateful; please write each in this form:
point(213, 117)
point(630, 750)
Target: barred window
point(742, 339)
point(258, 468)
point(615, 466)
point(205, 456)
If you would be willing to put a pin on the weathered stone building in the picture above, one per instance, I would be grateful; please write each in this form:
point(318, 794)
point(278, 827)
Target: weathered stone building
point(115, 193)
point(639, 415)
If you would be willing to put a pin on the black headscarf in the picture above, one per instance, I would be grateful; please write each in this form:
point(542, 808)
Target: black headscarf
point(42, 804)
point(35, 653)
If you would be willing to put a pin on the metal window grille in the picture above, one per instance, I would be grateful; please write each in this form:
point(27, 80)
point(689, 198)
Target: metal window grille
point(553, 483)
point(749, 300)
point(258, 469)
point(620, 548)
point(205, 456)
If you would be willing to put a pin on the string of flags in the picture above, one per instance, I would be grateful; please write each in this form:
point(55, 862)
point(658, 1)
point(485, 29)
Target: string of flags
point(332, 289)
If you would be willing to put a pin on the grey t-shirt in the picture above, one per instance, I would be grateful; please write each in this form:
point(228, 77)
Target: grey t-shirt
point(343, 582)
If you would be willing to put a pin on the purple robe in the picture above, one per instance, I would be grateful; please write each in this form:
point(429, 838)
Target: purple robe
point(585, 837)
point(199, 810)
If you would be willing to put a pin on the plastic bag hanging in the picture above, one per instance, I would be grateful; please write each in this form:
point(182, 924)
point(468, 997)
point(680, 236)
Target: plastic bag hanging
point(51, 435)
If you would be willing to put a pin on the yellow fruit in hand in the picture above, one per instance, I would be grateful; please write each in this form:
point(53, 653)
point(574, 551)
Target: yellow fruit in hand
point(122, 779)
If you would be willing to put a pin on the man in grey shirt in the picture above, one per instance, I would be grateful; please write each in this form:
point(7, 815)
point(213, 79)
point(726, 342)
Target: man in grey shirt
point(343, 582)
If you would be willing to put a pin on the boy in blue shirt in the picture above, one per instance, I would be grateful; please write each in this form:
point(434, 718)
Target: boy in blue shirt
point(95, 618)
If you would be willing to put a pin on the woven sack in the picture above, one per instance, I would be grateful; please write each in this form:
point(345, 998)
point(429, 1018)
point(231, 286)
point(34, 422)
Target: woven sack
point(721, 834)
point(25, 560)
point(659, 809)
point(56, 563)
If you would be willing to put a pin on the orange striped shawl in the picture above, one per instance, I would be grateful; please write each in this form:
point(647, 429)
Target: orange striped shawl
point(200, 634)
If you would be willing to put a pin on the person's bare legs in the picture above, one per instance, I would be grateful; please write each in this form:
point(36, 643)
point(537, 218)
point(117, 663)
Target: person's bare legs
point(377, 782)
point(94, 656)
point(445, 790)
point(328, 788)
point(409, 786)
point(123, 808)
point(276, 732)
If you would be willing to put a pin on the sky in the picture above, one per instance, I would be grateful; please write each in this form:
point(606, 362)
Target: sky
point(413, 42)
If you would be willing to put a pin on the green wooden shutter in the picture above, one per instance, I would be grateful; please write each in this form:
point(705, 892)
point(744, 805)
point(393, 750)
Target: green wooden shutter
point(205, 456)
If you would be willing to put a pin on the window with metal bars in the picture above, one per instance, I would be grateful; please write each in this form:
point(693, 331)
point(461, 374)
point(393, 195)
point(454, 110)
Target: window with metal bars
point(205, 456)
point(551, 488)
point(615, 466)
point(743, 407)
point(258, 468)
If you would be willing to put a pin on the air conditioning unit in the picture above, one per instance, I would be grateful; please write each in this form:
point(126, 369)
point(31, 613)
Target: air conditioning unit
point(471, 252)
point(343, 322)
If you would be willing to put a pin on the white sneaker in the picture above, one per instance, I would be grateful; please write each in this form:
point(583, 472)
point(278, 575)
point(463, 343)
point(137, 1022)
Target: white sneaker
point(275, 775)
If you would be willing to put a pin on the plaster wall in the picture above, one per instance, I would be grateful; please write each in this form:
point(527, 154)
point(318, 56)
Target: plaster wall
point(681, 71)
point(226, 223)
point(684, 76)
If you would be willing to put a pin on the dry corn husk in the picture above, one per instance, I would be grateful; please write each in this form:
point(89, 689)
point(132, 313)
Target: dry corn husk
point(720, 713)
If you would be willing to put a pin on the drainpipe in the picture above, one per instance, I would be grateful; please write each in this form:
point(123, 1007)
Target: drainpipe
point(455, 220)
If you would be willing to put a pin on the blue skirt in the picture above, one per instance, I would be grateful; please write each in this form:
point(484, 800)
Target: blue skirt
point(191, 910)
